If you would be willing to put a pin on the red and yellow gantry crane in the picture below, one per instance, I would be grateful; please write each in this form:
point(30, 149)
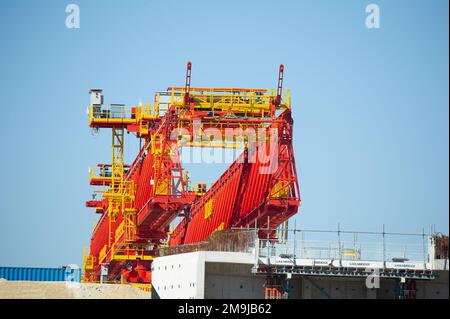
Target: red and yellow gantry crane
point(140, 201)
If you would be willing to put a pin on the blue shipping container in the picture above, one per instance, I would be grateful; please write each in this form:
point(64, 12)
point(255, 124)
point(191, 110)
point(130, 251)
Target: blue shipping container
point(40, 274)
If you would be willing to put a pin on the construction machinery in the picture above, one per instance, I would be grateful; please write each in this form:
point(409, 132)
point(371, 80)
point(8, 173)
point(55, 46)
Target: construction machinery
point(140, 201)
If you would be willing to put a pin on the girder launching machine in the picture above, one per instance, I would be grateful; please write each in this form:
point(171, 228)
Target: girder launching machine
point(139, 202)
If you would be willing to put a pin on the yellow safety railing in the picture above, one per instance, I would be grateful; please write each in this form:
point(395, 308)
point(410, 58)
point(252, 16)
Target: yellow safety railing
point(103, 174)
point(251, 102)
point(112, 111)
point(149, 111)
point(129, 253)
point(88, 261)
point(241, 100)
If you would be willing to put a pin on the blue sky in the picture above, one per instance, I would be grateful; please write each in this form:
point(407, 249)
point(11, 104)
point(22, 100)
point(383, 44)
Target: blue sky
point(371, 107)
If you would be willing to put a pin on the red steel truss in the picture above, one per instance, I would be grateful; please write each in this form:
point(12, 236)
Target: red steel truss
point(140, 201)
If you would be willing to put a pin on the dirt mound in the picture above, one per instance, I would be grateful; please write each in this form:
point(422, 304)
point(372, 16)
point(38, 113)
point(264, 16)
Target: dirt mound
point(68, 290)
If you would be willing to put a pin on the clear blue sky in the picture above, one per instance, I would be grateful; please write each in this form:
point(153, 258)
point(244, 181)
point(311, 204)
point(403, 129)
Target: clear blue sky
point(371, 107)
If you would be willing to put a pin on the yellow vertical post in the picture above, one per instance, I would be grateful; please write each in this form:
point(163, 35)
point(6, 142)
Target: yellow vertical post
point(114, 195)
